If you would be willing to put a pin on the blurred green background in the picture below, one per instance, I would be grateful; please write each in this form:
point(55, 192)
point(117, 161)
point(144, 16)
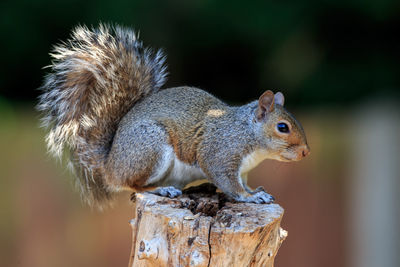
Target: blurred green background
point(337, 62)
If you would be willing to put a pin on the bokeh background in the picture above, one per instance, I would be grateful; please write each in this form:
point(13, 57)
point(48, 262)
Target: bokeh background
point(337, 63)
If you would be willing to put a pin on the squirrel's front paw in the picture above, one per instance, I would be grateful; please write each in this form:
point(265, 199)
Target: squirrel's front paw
point(168, 191)
point(258, 197)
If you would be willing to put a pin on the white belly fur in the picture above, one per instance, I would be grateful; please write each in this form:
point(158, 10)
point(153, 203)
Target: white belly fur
point(183, 174)
point(173, 172)
point(251, 161)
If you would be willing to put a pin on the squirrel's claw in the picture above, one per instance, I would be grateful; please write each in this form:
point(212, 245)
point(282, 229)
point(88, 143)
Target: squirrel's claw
point(168, 191)
point(263, 197)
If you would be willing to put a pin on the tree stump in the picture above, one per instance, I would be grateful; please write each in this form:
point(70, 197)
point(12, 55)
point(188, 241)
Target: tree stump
point(202, 228)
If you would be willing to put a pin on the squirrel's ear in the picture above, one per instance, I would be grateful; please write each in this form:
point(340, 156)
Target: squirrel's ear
point(265, 104)
point(279, 98)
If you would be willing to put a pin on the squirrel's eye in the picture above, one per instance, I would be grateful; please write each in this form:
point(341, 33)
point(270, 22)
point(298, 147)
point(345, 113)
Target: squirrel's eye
point(283, 127)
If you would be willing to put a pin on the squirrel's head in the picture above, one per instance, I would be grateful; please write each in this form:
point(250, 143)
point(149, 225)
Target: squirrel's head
point(284, 135)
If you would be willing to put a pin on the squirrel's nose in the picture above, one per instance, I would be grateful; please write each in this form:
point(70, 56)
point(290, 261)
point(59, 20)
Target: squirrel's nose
point(306, 151)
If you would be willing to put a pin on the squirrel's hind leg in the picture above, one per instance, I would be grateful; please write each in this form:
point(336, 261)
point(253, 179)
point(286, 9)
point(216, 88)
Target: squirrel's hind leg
point(139, 158)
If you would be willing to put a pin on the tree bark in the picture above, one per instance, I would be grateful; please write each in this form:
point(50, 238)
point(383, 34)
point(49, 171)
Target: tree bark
point(202, 228)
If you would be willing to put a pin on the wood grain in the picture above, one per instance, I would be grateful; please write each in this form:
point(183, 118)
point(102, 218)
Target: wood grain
point(202, 228)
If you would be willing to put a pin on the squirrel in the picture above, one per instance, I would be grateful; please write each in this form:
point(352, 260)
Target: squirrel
point(103, 103)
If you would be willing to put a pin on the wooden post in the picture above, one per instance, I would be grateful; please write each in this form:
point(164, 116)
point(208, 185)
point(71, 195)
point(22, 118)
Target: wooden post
point(201, 228)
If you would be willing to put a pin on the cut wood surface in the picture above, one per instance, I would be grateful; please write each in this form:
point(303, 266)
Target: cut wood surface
point(202, 228)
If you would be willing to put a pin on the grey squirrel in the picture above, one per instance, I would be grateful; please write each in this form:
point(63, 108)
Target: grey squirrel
point(103, 103)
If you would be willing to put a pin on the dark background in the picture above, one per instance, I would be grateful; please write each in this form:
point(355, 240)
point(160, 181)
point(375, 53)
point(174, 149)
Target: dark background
point(317, 52)
point(337, 63)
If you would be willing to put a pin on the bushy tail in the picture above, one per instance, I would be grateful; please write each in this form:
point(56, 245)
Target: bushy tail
point(97, 76)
